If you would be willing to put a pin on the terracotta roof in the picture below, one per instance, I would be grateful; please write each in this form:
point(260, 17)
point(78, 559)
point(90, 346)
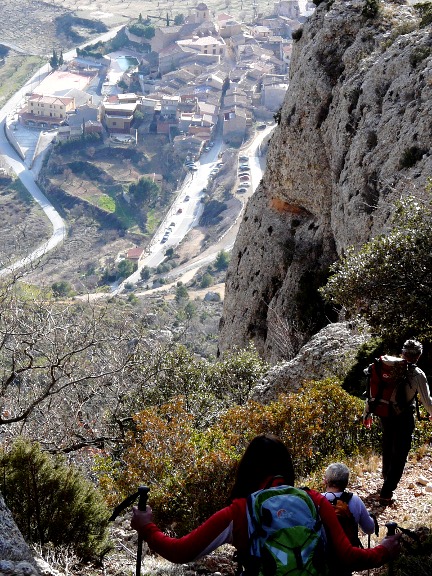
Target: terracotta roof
point(134, 253)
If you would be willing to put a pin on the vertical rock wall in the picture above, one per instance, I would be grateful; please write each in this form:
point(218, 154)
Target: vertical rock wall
point(359, 100)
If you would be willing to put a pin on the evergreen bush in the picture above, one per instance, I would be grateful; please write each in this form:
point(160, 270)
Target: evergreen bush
point(52, 502)
point(190, 470)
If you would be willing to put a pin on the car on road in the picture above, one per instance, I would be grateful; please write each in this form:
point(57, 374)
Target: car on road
point(207, 149)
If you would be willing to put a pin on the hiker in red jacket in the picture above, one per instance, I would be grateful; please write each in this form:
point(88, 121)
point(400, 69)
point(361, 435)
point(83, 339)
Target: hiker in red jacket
point(265, 462)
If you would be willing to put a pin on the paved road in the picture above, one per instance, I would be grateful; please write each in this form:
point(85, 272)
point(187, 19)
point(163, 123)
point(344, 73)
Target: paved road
point(192, 189)
point(183, 215)
point(27, 175)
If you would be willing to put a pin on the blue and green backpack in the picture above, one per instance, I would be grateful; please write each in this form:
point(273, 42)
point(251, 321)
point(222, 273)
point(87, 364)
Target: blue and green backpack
point(286, 536)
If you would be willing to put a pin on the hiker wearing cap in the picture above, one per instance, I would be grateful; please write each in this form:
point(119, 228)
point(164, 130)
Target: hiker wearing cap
point(266, 466)
point(349, 507)
point(398, 426)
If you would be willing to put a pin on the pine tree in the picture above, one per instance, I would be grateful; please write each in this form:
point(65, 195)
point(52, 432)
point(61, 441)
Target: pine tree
point(54, 62)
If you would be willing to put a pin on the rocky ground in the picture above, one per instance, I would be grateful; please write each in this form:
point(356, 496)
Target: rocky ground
point(413, 508)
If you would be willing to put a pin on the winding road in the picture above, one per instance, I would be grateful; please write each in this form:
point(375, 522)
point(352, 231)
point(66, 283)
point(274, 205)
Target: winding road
point(183, 215)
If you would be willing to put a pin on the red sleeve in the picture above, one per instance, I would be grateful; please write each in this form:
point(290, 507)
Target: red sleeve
point(225, 527)
point(354, 558)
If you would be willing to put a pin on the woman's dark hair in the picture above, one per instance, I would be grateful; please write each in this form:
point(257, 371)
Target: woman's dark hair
point(266, 456)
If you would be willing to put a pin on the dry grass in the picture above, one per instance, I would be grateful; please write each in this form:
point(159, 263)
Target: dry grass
point(24, 226)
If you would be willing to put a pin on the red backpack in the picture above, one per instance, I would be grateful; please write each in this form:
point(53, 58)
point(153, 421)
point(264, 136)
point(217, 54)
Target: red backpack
point(387, 386)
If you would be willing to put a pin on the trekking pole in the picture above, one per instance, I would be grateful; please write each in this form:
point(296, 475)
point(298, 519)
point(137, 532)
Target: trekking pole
point(142, 504)
point(368, 572)
point(391, 531)
point(142, 494)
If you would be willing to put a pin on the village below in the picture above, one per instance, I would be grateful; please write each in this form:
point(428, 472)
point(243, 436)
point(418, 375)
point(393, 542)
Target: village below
point(116, 130)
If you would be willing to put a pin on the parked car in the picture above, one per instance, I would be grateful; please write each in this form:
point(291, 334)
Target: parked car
point(244, 167)
point(187, 198)
point(207, 149)
point(245, 184)
point(245, 177)
point(244, 158)
point(242, 190)
point(172, 224)
point(180, 210)
point(261, 127)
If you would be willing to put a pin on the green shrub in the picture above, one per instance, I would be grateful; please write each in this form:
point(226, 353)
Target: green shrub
point(411, 156)
point(296, 35)
point(190, 470)
point(425, 11)
point(419, 54)
point(371, 8)
point(52, 502)
point(416, 554)
point(206, 280)
point(211, 213)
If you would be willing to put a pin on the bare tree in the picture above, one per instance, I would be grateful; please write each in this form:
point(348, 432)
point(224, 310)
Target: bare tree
point(65, 368)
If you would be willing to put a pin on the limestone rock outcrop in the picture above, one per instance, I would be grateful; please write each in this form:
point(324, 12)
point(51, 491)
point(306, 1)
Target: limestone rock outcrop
point(355, 133)
point(15, 555)
point(330, 352)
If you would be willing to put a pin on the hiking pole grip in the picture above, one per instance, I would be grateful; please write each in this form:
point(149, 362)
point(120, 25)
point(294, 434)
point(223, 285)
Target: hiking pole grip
point(391, 528)
point(142, 505)
point(143, 495)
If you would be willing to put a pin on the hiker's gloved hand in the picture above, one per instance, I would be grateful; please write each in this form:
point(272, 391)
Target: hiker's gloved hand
point(141, 518)
point(392, 543)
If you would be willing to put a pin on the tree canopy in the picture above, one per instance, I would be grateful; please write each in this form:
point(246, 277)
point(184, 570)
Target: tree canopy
point(389, 280)
point(144, 191)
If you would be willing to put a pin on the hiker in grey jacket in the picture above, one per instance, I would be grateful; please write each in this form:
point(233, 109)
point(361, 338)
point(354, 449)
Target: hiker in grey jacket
point(398, 429)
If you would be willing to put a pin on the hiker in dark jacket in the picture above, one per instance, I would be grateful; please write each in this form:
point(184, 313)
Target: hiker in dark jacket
point(265, 460)
point(398, 429)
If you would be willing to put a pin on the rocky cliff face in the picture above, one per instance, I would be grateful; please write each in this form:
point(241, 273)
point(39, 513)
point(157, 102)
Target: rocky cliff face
point(15, 555)
point(355, 133)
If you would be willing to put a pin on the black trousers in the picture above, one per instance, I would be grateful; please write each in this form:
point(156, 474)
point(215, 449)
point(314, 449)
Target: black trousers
point(396, 443)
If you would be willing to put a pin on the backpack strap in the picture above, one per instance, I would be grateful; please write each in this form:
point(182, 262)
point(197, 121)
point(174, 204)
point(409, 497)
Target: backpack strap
point(346, 496)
